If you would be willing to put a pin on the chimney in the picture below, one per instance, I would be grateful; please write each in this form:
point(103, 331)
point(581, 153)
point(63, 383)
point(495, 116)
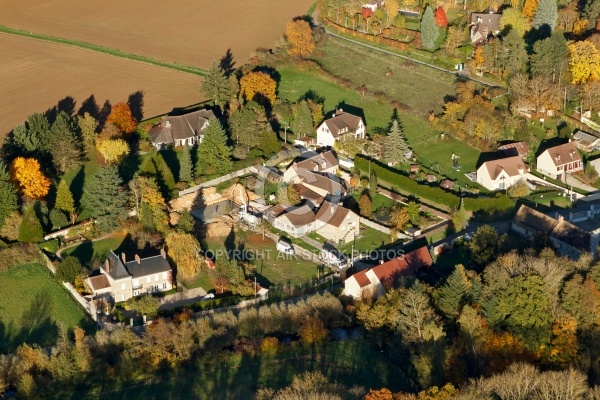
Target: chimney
point(107, 266)
point(163, 253)
point(561, 218)
point(380, 262)
point(331, 210)
point(137, 259)
point(167, 124)
point(123, 258)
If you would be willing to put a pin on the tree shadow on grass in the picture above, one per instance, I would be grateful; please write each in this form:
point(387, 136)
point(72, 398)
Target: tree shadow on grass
point(36, 325)
point(76, 186)
point(170, 157)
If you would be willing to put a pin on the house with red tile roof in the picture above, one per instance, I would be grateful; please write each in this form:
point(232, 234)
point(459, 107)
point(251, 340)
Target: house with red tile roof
point(378, 280)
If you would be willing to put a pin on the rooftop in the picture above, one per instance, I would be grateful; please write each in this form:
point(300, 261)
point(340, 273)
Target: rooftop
point(563, 154)
point(513, 166)
point(332, 214)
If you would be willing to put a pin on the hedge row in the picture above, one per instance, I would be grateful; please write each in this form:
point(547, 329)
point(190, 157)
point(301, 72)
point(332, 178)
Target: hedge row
point(377, 39)
point(430, 193)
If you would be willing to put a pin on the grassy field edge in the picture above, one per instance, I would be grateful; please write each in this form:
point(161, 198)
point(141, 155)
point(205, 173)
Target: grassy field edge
point(105, 50)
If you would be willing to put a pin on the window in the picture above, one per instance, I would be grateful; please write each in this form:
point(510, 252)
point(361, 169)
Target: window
point(148, 279)
point(155, 278)
point(136, 292)
point(156, 288)
point(165, 286)
point(164, 275)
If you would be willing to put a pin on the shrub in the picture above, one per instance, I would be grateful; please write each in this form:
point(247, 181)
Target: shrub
point(68, 269)
point(18, 254)
point(58, 219)
point(51, 246)
point(31, 228)
point(269, 345)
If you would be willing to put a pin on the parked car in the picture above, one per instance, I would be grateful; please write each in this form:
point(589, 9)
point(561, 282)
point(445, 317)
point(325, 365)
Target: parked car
point(209, 296)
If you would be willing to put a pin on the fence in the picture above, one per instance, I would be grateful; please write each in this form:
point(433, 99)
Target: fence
point(65, 231)
point(236, 174)
point(80, 299)
point(578, 124)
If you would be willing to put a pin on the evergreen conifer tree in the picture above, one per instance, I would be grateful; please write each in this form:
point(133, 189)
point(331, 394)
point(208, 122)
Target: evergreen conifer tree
point(64, 198)
point(214, 155)
point(104, 198)
point(373, 183)
point(216, 86)
point(452, 295)
point(8, 194)
point(395, 145)
point(185, 166)
point(301, 123)
point(62, 143)
point(546, 14)
point(429, 30)
point(30, 230)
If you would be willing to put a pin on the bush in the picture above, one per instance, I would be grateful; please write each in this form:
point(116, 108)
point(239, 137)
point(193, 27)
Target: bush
point(18, 254)
point(51, 246)
point(269, 345)
point(30, 230)
point(68, 269)
point(58, 219)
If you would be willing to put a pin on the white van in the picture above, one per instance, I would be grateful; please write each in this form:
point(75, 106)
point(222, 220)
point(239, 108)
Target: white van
point(284, 245)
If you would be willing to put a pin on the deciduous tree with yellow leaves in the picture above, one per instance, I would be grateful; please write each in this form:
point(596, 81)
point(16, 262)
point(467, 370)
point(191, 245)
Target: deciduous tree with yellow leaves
point(26, 175)
point(584, 63)
point(113, 150)
point(258, 83)
point(183, 249)
point(300, 38)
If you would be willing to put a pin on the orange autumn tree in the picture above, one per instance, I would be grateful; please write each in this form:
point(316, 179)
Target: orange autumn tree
point(258, 83)
point(26, 174)
point(529, 9)
point(121, 117)
point(300, 38)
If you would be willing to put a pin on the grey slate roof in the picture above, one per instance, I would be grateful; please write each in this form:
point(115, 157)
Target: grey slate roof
point(148, 266)
point(117, 269)
point(180, 127)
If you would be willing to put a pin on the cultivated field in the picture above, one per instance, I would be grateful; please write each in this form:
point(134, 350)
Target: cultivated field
point(35, 75)
point(191, 32)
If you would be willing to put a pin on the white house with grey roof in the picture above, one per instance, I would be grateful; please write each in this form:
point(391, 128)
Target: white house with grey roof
point(124, 279)
point(182, 130)
point(341, 126)
point(502, 173)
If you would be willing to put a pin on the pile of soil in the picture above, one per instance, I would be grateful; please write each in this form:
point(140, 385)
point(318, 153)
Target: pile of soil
point(220, 228)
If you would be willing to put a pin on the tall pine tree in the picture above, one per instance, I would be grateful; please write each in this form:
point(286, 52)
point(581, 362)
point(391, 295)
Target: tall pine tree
point(8, 194)
point(185, 165)
point(64, 198)
point(214, 155)
point(451, 297)
point(302, 119)
point(216, 86)
point(395, 145)
point(62, 142)
point(429, 30)
point(546, 14)
point(104, 198)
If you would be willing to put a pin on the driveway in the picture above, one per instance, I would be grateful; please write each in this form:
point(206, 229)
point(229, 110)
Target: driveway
point(182, 298)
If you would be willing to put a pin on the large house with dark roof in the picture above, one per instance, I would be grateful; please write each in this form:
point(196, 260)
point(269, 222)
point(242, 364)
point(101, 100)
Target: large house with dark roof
point(484, 25)
point(124, 279)
point(182, 130)
point(568, 239)
point(376, 281)
point(337, 223)
point(502, 173)
point(560, 160)
point(341, 126)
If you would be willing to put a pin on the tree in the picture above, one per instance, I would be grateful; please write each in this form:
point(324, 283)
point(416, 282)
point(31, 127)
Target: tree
point(546, 14)
point(373, 182)
point(550, 56)
point(399, 217)
point(58, 219)
point(11, 225)
point(585, 62)
point(429, 30)
point(312, 331)
point(391, 8)
point(186, 221)
point(121, 117)
point(183, 249)
point(485, 245)
point(62, 142)
point(529, 9)
point(413, 210)
point(513, 19)
point(440, 17)
point(459, 217)
point(519, 189)
point(249, 128)
point(316, 111)
point(104, 198)
point(455, 37)
point(299, 38)
point(216, 85)
point(8, 201)
point(302, 122)
point(185, 165)
point(515, 54)
point(113, 150)
point(68, 269)
point(452, 296)
point(87, 126)
point(146, 304)
point(417, 320)
point(30, 230)
point(214, 155)
point(64, 198)
point(396, 146)
point(365, 205)
point(26, 175)
point(258, 84)
point(288, 195)
point(592, 11)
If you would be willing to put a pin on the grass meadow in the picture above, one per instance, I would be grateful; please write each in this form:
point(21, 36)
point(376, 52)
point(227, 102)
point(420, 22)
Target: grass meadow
point(34, 307)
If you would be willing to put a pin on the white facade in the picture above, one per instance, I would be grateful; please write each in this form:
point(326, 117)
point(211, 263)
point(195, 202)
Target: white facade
point(557, 161)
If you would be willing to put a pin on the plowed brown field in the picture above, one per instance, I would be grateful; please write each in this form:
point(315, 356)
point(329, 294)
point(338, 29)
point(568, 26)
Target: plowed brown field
point(190, 32)
point(35, 75)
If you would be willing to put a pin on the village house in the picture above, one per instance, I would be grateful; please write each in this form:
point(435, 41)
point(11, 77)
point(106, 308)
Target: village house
point(182, 130)
point(568, 239)
point(484, 25)
point(123, 280)
point(502, 173)
point(559, 160)
point(376, 281)
point(296, 221)
point(325, 163)
point(373, 5)
point(520, 149)
point(585, 141)
point(341, 126)
point(337, 223)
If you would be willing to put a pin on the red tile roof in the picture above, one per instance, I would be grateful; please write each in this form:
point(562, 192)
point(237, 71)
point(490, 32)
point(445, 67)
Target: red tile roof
point(361, 278)
point(389, 272)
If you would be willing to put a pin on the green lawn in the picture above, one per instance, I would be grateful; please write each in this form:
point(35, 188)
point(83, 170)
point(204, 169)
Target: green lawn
point(89, 253)
point(33, 307)
point(430, 149)
point(370, 239)
point(420, 88)
point(272, 267)
point(238, 376)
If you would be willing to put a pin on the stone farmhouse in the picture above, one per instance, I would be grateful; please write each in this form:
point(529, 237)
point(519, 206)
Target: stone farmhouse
point(502, 173)
point(122, 279)
point(376, 281)
point(182, 130)
point(341, 126)
point(560, 160)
